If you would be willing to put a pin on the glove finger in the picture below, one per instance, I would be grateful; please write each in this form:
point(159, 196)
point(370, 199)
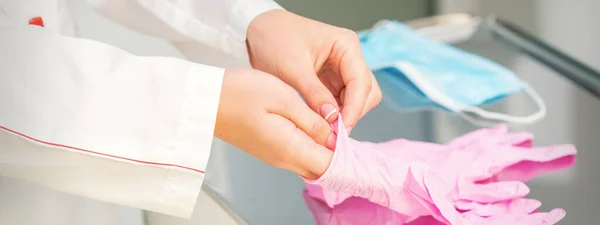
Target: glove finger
point(509, 156)
point(523, 206)
point(520, 164)
point(516, 207)
point(417, 188)
point(439, 195)
point(418, 191)
point(493, 192)
point(518, 139)
point(554, 216)
point(549, 218)
point(470, 205)
point(501, 137)
point(517, 217)
point(465, 205)
point(478, 135)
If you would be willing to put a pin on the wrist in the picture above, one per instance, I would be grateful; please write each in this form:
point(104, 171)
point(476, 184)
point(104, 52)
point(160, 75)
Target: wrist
point(224, 108)
point(244, 12)
point(257, 25)
point(259, 29)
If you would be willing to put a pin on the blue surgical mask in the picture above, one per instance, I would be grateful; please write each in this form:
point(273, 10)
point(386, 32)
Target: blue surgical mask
point(415, 72)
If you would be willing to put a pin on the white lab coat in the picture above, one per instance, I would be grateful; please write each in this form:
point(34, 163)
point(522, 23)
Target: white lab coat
point(89, 119)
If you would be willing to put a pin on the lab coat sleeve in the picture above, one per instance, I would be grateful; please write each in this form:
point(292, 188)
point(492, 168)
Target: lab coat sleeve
point(86, 118)
point(221, 24)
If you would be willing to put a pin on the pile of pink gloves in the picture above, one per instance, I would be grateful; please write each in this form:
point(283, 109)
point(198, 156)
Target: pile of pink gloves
point(475, 179)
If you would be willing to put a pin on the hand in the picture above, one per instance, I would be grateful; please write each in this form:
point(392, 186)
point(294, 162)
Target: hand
point(267, 119)
point(323, 62)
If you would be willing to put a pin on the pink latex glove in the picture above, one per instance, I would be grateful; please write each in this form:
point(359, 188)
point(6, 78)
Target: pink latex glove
point(417, 178)
point(353, 211)
point(359, 211)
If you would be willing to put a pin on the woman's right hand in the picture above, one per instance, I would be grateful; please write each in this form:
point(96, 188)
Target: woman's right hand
point(266, 118)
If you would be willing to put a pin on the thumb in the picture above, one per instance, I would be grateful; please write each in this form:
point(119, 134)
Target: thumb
point(314, 92)
point(313, 158)
point(300, 153)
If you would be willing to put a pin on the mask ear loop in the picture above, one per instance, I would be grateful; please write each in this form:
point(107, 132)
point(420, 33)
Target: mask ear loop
point(523, 120)
point(465, 111)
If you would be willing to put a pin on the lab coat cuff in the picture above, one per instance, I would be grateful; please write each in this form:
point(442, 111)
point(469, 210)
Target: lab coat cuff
point(195, 137)
point(242, 14)
point(199, 115)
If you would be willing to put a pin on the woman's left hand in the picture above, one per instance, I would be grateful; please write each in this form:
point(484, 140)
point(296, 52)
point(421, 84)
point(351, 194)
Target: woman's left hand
point(322, 62)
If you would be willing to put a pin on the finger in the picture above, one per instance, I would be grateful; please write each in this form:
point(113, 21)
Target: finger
point(313, 159)
point(356, 76)
point(299, 153)
point(318, 97)
point(333, 81)
point(295, 110)
point(374, 97)
point(342, 95)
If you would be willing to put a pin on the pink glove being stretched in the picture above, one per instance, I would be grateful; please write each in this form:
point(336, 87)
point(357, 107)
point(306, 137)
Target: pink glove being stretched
point(416, 179)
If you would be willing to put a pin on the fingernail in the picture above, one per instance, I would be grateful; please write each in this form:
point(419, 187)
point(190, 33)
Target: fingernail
point(327, 110)
point(348, 130)
point(331, 141)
